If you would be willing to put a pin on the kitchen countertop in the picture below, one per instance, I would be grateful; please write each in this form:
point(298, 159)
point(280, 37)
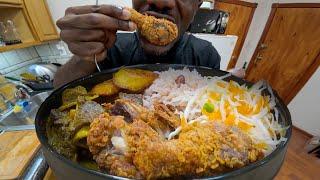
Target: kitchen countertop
point(19, 152)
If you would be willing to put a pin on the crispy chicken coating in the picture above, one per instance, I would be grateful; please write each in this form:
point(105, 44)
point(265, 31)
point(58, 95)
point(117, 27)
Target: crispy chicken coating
point(106, 143)
point(133, 111)
point(136, 149)
point(167, 114)
point(157, 31)
point(201, 149)
point(102, 129)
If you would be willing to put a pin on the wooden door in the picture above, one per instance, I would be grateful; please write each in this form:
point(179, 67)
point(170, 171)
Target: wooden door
point(41, 19)
point(289, 50)
point(241, 14)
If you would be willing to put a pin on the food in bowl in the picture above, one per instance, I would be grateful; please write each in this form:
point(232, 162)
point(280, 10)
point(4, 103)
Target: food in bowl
point(179, 124)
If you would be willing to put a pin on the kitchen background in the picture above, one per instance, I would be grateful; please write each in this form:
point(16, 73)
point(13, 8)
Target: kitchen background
point(277, 40)
point(304, 106)
point(15, 62)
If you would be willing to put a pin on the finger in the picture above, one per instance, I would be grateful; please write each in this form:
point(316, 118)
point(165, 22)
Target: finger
point(86, 48)
point(108, 10)
point(95, 21)
point(81, 35)
point(86, 58)
point(110, 39)
point(101, 56)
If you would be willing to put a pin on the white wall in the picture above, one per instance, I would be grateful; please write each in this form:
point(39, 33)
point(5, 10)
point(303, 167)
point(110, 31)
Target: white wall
point(304, 108)
point(223, 44)
point(58, 7)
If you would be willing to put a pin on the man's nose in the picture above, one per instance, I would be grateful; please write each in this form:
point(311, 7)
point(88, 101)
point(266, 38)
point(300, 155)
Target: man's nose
point(162, 4)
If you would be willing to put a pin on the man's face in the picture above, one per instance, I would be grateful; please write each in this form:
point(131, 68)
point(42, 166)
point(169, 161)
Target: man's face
point(181, 12)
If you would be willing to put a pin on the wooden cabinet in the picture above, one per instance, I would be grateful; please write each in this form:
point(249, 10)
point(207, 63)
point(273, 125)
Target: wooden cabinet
point(17, 14)
point(11, 1)
point(41, 19)
point(32, 19)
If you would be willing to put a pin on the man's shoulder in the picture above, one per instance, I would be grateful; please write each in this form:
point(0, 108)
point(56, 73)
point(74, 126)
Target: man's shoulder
point(204, 52)
point(198, 43)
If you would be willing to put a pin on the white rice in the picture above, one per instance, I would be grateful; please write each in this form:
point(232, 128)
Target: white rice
point(166, 90)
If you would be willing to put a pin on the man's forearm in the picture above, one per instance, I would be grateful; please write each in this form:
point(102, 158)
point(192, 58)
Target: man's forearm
point(72, 70)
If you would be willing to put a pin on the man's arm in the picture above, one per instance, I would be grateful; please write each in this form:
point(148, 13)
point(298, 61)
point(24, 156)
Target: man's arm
point(74, 69)
point(89, 31)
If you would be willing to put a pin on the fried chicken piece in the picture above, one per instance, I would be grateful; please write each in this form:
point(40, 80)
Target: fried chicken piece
point(166, 113)
point(102, 129)
point(157, 31)
point(106, 143)
point(121, 166)
point(132, 111)
point(137, 148)
point(201, 149)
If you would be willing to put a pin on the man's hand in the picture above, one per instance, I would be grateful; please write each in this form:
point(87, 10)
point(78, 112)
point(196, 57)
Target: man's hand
point(90, 30)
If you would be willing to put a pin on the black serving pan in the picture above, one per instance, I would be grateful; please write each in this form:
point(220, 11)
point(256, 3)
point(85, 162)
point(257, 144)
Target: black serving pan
point(64, 168)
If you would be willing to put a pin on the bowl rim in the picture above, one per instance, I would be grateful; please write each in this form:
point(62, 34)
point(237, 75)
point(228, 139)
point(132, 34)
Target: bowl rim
point(44, 142)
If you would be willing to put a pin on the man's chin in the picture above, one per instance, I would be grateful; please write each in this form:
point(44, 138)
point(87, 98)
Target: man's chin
point(155, 50)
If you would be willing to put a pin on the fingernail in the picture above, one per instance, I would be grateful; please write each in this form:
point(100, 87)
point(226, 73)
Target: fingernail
point(132, 26)
point(126, 14)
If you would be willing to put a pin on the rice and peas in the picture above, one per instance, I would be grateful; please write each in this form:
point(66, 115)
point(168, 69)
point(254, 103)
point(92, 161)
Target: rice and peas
point(201, 99)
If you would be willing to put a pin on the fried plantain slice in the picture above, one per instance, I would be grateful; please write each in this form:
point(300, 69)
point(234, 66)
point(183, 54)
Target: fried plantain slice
point(134, 80)
point(106, 88)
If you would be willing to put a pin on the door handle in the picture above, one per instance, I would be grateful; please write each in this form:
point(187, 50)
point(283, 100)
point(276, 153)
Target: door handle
point(258, 58)
point(263, 46)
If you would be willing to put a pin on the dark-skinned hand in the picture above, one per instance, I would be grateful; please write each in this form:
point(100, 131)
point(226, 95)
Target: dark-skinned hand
point(91, 30)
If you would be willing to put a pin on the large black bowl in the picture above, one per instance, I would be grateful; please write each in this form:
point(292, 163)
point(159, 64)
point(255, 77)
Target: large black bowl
point(64, 168)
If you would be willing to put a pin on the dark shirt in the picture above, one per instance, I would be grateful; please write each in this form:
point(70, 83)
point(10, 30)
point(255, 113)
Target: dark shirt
point(188, 50)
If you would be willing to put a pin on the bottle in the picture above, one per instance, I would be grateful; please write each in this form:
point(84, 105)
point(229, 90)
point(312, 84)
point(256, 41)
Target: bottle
point(2, 29)
point(12, 36)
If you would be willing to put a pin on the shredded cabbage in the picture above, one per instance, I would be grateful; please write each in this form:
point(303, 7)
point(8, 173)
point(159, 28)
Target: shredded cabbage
point(254, 113)
point(236, 105)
